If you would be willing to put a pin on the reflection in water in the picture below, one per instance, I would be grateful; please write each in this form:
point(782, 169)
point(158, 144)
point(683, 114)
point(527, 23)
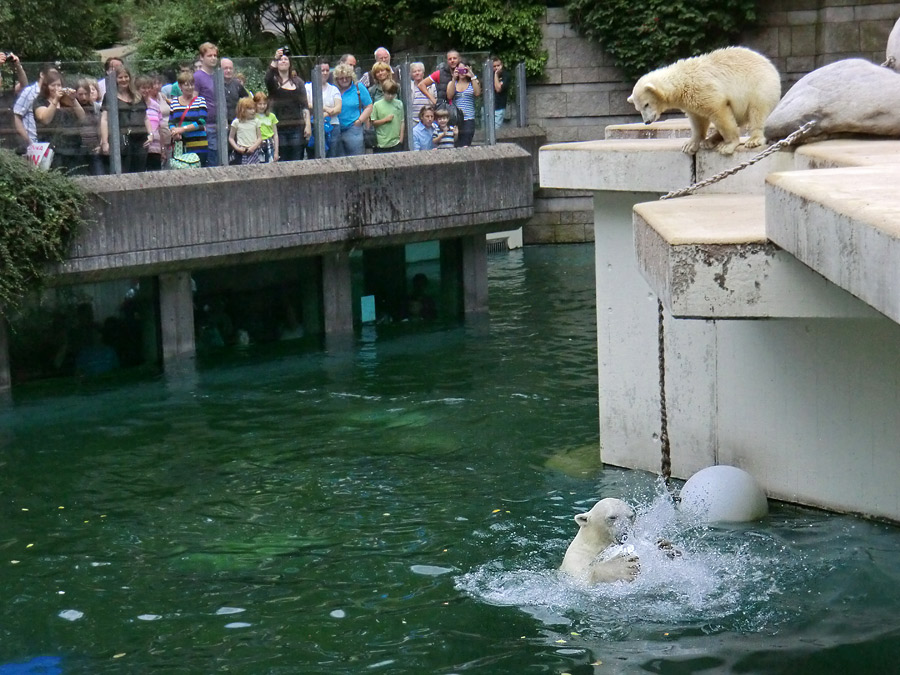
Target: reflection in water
point(401, 507)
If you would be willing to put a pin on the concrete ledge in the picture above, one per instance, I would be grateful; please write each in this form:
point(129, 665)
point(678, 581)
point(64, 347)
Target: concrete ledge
point(708, 257)
point(636, 165)
point(845, 153)
point(175, 220)
point(623, 165)
point(678, 127)
point(845, 224)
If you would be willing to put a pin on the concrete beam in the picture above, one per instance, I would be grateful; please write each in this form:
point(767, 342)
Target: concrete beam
point(474, 274)
point(844, 224)
point(337, 297)
point(632, 165)
point(170, 220)
point(708, 257)
point(176, 314)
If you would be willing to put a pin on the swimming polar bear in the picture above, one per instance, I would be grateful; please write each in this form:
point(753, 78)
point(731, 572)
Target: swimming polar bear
point(731, 87)
point(609, 522)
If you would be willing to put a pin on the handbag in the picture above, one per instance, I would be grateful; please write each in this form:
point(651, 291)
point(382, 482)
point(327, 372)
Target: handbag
point(183, 160)
point(180, 158)
point(369, 133)
point(40, 154)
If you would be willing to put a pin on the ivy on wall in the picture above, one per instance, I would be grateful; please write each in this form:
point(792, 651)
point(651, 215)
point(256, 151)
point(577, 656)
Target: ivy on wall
point(39, 213)
point(511, 30)
point(643, 36)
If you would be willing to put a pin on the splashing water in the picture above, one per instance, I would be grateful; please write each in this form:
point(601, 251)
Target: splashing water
point(725, 579)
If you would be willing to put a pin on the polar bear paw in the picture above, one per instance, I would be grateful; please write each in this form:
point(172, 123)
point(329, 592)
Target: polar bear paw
point(621, 568)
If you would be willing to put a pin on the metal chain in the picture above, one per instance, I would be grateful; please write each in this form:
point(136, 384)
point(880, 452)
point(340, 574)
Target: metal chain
point(788, 140)
point(666, 461)
point(665, 446)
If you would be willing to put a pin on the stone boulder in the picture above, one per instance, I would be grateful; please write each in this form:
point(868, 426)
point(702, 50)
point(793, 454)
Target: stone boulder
point(847, 97)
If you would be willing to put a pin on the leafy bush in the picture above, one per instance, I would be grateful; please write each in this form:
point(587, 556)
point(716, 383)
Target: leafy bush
point(510, 30)
point(39, 213)
point(643, 36)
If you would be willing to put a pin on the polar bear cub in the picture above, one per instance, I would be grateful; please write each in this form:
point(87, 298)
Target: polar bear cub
point(732, 87)
point(609, 522)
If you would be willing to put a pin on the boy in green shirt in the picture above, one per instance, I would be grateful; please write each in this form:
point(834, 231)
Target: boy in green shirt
point(387, 116)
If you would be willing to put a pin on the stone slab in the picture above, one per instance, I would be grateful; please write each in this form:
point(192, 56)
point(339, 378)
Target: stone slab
point(845, 224)
point(619, 165)
point(176, 220)
point(707, 257)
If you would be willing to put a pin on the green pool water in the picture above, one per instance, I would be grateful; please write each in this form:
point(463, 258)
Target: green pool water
point(400, 508)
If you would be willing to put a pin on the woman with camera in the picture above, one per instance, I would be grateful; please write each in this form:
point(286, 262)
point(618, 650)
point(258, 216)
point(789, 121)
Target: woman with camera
point(462, 90)
point(135, 133)
point(287, 98)
point(58, 116)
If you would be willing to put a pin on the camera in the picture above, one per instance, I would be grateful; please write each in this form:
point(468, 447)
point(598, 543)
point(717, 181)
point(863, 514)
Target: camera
point(462, 70)
point(285, 51)
point(7, 54)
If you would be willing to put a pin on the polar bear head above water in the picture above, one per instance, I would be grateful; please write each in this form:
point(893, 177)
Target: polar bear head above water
point(608, 523)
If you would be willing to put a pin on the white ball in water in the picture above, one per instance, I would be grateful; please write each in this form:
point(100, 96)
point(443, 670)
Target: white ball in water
point(723, 494)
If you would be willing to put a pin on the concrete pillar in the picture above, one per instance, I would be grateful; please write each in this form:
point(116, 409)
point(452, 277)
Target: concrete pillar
point(5, 379)
point(474, 274)
point(176, 317)
point(337, 298)
point(311, 296)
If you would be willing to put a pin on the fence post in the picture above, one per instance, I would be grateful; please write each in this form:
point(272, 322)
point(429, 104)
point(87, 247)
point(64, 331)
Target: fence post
point(487, 93)
point(406, 97)
point(221, 116)
point(114, 132)
point(318, 111)
point(521, 95)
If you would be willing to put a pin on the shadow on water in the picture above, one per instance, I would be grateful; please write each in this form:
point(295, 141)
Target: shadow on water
point(400, 507)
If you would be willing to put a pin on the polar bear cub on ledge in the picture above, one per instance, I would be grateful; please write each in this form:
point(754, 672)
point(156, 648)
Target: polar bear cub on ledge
point(732, 87)
point(608, 523)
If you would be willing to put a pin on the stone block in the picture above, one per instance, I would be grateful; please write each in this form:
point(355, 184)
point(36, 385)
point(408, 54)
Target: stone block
point(802, 18)
point(561, 134)
point(551, 48)
point(618, 103)
point(882, 12)
point(587, 105)
point(800, 64)
point(839, 38)
point(873, 35)
point(538, 234)
point(803, 41)
point(557, 15)
point(578, 53)
point(773, 19)
point(552, 31)
point(573, 75)
point(545, 218)
point(784, 41)
point(577, 218)
point(546, 105)
point(572, 234)
point(836, 14)
point(553, 76)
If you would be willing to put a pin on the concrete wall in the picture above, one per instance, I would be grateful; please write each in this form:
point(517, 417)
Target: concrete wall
point(583, 91)
point(175, 220)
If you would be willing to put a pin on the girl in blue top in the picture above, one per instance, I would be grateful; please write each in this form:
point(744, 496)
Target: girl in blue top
point(462, 90)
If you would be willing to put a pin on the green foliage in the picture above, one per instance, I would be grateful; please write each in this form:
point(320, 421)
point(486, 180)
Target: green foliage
point(50, 30)
point(172, 30)
point(509, 29)
point(643, 36)
point(39, 213)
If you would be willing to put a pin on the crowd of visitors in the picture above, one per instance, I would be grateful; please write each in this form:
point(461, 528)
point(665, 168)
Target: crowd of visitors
point(170, 122)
